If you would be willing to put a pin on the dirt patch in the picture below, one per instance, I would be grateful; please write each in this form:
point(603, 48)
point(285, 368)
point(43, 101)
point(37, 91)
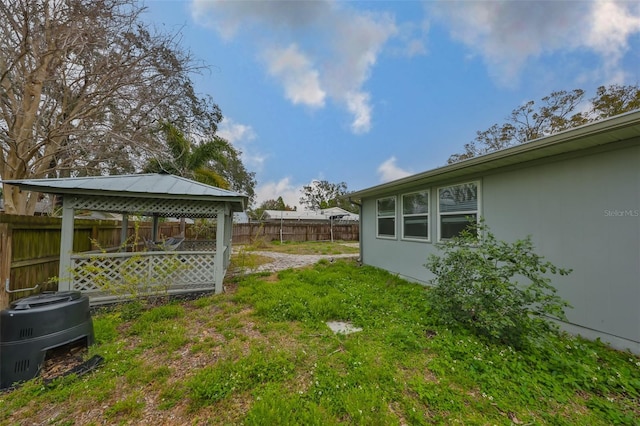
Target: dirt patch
point(282, 261)
point(63, 359)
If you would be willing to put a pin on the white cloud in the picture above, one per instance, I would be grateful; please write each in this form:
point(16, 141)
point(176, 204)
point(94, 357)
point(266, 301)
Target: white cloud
point(235, 132)
point(413, 39)
point(241, 136)
point(334, 51)
point(300, 80)
point(227, 17)
point(284, 188)
point(509, 33)
point(415, 47)
point(612, 24)
point(358, 104)
point(389, 171)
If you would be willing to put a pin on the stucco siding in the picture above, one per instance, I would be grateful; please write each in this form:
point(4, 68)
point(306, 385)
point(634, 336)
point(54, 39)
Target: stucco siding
point(402, 257)
point(582, 212)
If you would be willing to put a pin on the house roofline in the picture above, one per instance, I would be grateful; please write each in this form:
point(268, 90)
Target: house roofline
point(618, 128)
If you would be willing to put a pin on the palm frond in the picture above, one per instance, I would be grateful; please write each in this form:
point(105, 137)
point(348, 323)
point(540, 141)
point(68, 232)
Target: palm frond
point(178, 145)
point(210, 177)
point(215, 150)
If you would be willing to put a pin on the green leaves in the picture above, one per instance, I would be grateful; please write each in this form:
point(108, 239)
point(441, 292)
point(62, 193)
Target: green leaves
point(495, 289)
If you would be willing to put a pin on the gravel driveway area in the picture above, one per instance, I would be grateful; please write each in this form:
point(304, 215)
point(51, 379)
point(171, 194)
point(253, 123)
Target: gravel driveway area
point(285, 261)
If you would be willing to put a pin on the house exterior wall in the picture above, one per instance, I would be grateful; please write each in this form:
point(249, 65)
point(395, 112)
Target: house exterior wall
point(583, 213)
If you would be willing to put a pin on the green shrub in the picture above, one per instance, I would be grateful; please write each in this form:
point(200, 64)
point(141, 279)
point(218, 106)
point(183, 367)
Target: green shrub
point(495, 289)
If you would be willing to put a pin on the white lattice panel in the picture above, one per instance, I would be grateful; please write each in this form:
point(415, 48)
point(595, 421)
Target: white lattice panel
point(198, 245)
point(166, 207)
point(120, 274)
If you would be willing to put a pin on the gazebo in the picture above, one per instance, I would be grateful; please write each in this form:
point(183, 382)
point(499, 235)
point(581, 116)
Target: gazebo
point(172, 270)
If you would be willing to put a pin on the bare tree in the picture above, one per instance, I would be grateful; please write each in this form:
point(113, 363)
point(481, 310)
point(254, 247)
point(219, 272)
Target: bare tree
point(84, 85)
point(558, 111)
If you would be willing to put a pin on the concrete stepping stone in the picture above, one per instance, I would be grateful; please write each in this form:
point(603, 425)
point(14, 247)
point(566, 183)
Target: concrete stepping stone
point(342, 327)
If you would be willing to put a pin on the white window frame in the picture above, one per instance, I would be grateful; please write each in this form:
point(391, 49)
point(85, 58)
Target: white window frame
point(394, 217)
point(475, 212)
point(403, 215)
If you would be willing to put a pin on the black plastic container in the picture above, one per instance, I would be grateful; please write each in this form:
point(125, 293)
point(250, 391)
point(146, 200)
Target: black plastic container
point(36, 324)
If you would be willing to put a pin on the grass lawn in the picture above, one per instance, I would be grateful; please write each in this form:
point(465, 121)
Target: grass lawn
point(308, 247)
point(261, 354)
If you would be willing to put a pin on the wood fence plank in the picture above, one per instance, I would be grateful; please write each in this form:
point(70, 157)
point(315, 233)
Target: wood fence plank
point(5, 262)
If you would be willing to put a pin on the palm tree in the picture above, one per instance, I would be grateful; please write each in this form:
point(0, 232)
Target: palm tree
point(191, 160)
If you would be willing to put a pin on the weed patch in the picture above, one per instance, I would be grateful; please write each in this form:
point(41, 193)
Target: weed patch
point(215, 383)
point(276, 406)
point(127, 408)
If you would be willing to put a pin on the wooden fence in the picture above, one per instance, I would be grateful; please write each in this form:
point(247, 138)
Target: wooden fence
point(30, 245)
point(244, 233)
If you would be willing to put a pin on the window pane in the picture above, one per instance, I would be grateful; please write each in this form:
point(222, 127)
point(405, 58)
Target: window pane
point(416, 227)
point(386, 207)
point(387, 226)
point(453, 225)
point(459, 198)
point(415, 203)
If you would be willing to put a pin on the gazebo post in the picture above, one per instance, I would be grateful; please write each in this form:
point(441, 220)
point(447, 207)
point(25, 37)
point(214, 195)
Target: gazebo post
point(124, 232)
point(218, 268)
point(228, 232)
point(66, 245)
point(154, 227)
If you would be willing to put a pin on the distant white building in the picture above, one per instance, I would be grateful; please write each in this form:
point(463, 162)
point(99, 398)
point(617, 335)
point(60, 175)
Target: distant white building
point(240, 217)
point(43, 207)
point(336, 214)
point(341, 215)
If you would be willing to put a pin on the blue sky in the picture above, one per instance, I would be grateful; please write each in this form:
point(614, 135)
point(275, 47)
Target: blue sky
point(370, 91)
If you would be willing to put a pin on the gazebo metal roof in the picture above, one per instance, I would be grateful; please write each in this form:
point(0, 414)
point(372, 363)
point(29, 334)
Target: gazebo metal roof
point(148, 194)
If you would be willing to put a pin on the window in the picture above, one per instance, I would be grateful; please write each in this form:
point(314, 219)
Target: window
point(387, 217)
point(457, 208)
point(415, 216)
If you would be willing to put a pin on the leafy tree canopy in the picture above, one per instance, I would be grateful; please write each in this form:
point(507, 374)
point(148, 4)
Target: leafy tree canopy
point(556, 112)
point(322, 194)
